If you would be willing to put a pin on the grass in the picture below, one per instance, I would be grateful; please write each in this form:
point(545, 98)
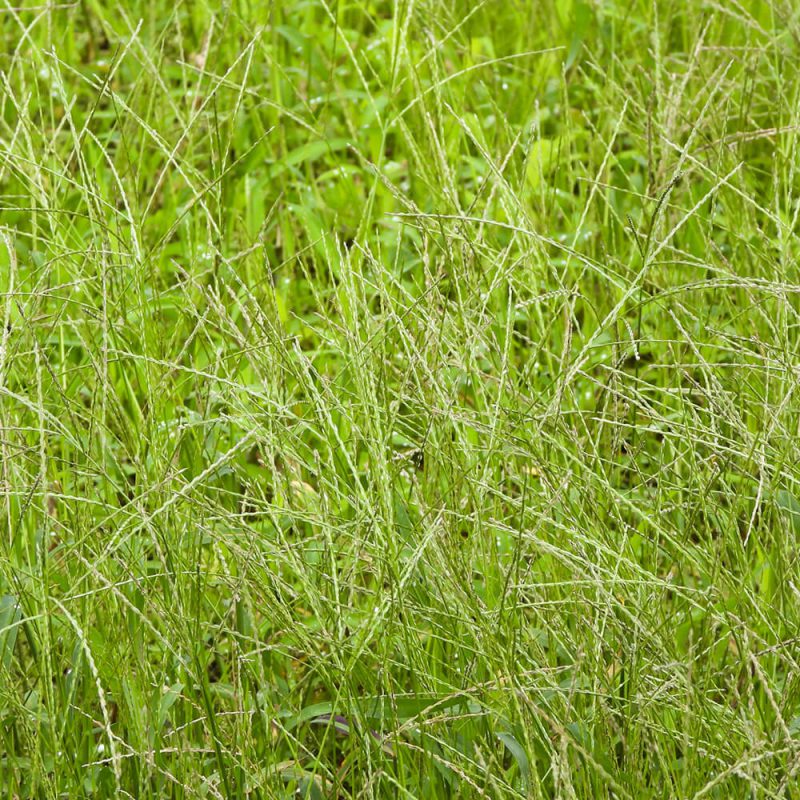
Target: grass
point(400, 399)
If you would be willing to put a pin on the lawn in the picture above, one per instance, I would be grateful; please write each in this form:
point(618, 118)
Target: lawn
point(400, 399)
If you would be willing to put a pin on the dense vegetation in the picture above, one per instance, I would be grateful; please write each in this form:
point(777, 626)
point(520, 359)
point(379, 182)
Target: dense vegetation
point(400, 399)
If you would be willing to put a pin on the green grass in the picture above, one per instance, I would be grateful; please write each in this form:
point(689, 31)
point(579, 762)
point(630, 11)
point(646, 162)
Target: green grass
point(400, 399)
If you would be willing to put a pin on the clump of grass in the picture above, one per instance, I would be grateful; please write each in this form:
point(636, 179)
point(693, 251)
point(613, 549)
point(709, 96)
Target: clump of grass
point(399, 400)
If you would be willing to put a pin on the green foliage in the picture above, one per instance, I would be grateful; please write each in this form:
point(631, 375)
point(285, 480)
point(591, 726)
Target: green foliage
point(399, 399)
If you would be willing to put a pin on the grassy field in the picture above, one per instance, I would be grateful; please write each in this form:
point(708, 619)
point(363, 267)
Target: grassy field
point(400, 399)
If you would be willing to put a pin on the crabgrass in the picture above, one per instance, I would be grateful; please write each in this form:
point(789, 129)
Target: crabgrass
point(399, 399)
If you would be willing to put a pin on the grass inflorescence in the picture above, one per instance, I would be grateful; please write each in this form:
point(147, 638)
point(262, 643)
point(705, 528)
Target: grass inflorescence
point(399, 399)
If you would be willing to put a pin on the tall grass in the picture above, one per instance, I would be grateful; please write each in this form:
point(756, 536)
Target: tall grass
point(399, 399)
